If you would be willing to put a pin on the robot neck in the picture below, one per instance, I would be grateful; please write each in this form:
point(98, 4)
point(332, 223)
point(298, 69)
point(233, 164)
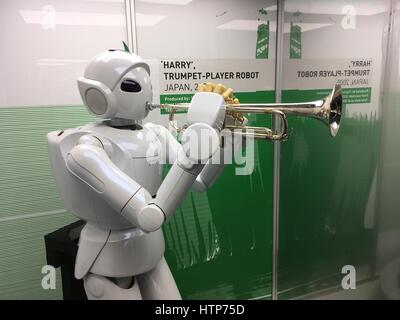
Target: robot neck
point(123, 123)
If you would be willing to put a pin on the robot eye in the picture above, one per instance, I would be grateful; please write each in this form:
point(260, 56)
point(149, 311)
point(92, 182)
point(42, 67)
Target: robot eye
point(130, 86)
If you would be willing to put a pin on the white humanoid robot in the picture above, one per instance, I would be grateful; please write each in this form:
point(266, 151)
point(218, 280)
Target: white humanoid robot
point(108, 175)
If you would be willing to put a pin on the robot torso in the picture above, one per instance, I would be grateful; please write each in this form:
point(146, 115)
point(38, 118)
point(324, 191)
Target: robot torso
point(134, 150)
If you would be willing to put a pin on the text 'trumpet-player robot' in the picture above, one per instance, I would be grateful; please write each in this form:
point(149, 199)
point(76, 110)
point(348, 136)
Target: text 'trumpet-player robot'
point(108, 173)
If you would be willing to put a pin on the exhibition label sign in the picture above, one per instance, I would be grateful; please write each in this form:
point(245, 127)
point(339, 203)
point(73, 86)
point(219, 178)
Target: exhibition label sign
point(313, 76)
point(180, 78)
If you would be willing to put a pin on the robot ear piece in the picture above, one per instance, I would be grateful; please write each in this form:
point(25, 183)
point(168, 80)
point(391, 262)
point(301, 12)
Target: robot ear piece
point(96, 101)
point(97, 97)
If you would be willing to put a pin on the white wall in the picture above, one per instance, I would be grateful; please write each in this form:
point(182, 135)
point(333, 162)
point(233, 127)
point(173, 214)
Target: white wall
point(45, 46)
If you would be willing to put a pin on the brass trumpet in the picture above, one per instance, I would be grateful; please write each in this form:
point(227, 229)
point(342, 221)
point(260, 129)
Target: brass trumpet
point(327, 110)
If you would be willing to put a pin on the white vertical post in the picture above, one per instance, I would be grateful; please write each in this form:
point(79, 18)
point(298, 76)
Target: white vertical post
point(131, 25)
point(277, 147)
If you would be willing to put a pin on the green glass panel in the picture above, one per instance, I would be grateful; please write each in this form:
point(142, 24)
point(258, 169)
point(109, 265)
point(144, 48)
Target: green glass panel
point(219, 243)
point(389, 218)
point(325, 189)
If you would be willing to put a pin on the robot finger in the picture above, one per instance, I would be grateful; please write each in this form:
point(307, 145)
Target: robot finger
point(228, 94)
point(219, 88)
point(209, 87)
point(201, 87)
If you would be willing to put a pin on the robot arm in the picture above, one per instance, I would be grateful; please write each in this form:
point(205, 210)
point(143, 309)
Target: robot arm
point(215, 166)
point(200, 142)
point(89, 162)
point(171, 147)
point(208, 176)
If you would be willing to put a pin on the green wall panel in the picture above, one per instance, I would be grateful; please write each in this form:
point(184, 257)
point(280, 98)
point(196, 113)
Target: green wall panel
point(26, 183)
point(29, 203)
point(325, 189)
point(23, 255)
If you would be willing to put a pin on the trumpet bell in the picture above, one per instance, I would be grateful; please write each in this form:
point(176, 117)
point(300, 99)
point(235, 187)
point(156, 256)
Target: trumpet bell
point(335, 102)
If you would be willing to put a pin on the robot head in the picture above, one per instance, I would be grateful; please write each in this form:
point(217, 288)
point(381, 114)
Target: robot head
point(116, 84)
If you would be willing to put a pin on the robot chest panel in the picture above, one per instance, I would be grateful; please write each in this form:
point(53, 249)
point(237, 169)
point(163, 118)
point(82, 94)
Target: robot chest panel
point(146, 173)
point(137, 155)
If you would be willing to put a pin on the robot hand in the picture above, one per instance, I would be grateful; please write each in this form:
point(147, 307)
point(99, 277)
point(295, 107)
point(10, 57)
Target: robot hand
point(231, 143)
point(231, 118)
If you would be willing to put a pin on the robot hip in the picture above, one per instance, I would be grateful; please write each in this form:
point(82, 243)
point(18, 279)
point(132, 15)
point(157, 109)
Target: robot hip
point(124, 253)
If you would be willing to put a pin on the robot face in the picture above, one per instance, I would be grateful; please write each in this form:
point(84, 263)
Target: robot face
point(131, 94)
point(116, 84)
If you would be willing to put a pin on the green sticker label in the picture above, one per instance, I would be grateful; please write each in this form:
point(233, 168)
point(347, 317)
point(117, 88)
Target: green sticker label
point(262, 41)
point(174, 99)
point(295, 41)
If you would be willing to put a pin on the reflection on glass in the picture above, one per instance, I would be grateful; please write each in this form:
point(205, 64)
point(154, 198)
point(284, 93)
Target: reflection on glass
point(328, 216)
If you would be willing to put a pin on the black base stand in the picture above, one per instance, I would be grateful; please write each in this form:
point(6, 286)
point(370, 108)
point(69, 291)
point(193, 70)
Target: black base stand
point(61, 250)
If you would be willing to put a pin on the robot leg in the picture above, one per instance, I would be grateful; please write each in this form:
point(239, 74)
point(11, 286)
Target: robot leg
point(103, 288)
point(158, 283)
